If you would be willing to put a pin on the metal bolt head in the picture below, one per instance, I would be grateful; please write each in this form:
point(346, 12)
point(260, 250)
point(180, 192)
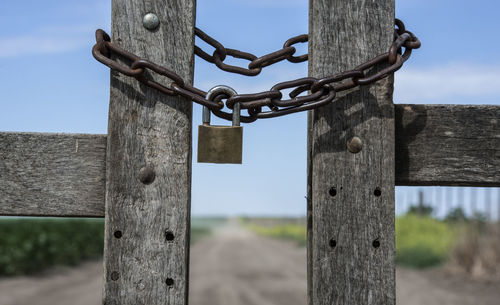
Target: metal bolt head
point(151, 21)
point(355, 145)
point(147, 175)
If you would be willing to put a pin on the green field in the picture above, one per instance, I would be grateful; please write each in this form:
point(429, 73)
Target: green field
point(420, 241)
point(29, 245)
point(204, 226)
point(286, 231)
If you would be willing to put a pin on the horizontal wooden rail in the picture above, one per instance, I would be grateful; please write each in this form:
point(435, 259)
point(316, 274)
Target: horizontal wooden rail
point(52, 174)
point(64, 174)
point(454, 145)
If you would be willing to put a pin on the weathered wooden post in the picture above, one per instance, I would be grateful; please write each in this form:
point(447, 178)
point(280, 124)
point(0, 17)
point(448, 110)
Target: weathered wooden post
point(148, 179)
point(351, 160)
point(359, 147)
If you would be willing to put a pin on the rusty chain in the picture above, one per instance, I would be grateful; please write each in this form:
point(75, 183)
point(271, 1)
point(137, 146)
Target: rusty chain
point(319, 91)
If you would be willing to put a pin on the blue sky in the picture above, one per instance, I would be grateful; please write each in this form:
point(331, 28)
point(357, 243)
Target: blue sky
point(51, 83)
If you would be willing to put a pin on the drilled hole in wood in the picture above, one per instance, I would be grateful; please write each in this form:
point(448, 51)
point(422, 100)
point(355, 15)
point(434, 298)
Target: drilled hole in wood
point(333, 243)
point(333, 191)
point(169, 282)
point(147, 175)
point(376, 243)
point(115, 275)
point(118, 234)
point(169, 235)
point(377, 192)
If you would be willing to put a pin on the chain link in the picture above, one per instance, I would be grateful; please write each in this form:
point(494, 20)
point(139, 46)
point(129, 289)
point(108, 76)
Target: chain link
point(320, 91)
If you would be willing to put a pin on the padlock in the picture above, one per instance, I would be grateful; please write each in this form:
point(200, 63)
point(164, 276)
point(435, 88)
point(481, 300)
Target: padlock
point(220, 144)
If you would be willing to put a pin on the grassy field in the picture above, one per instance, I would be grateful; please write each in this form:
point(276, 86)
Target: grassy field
point(30, 245)
point(204, 226)
point(286, 231)
point(423, 241)
point(420, 241)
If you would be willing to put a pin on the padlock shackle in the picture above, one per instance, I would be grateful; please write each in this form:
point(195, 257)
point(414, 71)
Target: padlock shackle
point(214, 92)
point(236, 114)
point(206, 116)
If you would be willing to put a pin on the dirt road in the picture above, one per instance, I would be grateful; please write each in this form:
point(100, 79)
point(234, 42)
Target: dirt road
point(236, 267)
point(437, 287)
point(77, 286)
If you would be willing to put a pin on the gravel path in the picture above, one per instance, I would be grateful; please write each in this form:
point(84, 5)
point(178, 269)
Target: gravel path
point(236, 267)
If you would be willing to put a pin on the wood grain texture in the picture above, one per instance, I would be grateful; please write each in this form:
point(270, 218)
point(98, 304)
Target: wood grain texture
point(149, 130)
point(310, 214)
point(345, 266)
point(448, 145)
point(49, 174)
point(52, 174)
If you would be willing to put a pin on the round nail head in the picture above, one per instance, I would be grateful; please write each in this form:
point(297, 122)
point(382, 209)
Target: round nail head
point(146, 175)
point(355, 145)
point(151, 21)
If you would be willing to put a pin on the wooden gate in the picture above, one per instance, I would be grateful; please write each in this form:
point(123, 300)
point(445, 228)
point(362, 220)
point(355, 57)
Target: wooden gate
point(138, 176)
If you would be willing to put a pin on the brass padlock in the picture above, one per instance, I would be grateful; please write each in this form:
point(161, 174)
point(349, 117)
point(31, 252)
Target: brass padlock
point(220, 144)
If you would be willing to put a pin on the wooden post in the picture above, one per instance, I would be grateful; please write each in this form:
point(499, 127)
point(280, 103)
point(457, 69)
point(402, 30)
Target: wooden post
point(420, 203)
point(450, 197)
point(442, 200)
point(488, 210)
point(352, 252)
point(473, 200)
point(498, 206)
point(461, 199)
point(148, 178)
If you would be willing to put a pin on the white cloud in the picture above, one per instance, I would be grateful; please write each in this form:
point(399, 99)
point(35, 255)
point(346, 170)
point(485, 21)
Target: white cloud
point(435, 84)
point(449, 81)
point(48, 39)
